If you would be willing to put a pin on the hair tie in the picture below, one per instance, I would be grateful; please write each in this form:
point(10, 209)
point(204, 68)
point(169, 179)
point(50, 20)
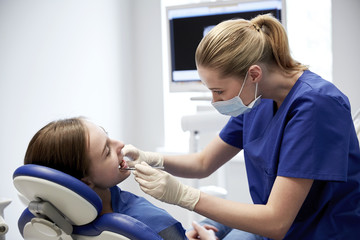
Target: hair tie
point(256, 27)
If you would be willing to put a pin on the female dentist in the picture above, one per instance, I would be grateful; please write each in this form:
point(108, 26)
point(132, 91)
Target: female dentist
point(301, 151)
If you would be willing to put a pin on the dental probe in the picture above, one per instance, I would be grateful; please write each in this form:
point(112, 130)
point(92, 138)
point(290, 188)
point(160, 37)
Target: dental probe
point(132, 168)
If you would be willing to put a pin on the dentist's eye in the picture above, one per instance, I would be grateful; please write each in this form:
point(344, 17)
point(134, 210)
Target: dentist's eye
point(218, 92)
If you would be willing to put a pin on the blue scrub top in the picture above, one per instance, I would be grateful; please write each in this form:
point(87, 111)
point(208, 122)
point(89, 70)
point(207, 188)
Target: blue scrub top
point(310, 136)
point(139, 208)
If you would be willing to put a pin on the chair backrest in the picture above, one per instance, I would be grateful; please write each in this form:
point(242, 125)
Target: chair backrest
point(63, 207)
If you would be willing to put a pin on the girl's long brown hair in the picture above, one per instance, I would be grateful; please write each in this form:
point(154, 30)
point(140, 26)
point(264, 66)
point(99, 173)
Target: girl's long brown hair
point(61, 145)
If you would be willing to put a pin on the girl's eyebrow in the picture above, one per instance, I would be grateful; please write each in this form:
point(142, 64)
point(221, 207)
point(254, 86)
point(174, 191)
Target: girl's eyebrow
point(104, 130)
point(106, 142)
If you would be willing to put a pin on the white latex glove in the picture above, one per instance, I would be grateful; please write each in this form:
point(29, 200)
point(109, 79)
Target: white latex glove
point(165, 187)
point(137, 156)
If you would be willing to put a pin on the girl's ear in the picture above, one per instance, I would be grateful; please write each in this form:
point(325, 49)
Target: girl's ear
point(87, 181)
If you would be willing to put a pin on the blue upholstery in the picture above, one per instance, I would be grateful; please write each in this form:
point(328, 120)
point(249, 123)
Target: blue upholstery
point(116, 223)
point(61, 178)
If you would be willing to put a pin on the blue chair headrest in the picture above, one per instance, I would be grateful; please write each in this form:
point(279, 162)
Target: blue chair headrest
point(77, 202)
point(73, 198)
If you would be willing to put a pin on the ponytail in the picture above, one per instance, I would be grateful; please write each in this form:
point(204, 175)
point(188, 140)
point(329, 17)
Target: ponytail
point(234, 45)
point(277, 40)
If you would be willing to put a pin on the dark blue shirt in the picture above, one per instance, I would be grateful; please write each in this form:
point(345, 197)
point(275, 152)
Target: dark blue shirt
point(139, 208)
point(310, 136)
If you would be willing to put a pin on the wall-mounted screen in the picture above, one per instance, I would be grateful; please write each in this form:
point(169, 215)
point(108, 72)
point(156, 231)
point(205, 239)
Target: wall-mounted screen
point(187, 24)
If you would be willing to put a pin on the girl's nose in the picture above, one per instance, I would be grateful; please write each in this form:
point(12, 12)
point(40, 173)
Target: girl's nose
point(120, 146)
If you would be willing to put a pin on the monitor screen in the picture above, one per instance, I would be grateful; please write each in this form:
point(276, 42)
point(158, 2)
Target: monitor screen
point(187, 25)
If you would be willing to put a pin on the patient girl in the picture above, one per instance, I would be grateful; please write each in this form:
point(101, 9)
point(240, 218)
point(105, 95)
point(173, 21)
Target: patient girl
point(84, 150)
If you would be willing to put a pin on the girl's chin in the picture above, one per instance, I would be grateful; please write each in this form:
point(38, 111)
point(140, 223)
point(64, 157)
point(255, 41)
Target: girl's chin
point(124, 174)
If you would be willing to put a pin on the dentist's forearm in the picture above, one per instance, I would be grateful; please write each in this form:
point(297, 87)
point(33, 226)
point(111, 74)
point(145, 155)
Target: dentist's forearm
point(272, 219)
point(252, 218)
point(188, 166)
point(201, 164)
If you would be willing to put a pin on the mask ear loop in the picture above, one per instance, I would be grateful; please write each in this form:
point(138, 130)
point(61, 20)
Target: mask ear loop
point(256, 87)
point(243, 84)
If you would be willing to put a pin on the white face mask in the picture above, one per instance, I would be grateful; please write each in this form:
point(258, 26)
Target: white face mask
point(235, 106)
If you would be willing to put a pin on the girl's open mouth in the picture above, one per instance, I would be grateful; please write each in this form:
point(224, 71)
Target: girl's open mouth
point(123, 165)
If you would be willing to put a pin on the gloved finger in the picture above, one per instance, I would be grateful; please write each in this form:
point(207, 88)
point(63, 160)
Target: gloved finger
point(156, 194)
point(145, 169)
point(147, 184)
point(153, 175)
point(154, 178)
point(145, 190)
point(153, 190)
point(142, 183)
point(126, 149)
point(143, 187)
point(132, 163)
point(130, 151)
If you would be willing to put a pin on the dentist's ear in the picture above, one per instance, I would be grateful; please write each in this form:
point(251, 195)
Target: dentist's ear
point(255, 73)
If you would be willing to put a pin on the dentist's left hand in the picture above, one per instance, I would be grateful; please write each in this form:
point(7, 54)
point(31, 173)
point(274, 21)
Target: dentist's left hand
point(152, 158)
point(165, 187)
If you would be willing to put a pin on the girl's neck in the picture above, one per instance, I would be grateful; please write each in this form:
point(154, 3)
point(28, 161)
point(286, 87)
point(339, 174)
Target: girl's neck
point(105, 196)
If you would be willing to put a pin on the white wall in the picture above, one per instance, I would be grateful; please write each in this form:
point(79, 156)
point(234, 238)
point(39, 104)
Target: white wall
point(147, 96)
point(346, 48)
point(59, 59)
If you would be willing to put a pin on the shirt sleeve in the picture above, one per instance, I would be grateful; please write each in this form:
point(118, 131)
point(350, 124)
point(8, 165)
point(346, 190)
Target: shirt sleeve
point(316, 139)
point(232, 133)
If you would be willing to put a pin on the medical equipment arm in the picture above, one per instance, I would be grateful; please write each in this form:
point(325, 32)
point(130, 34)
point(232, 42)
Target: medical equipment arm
point(165, 187)
point(137, 156)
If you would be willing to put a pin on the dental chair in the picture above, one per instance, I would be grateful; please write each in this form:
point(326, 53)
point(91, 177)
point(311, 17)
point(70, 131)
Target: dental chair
point(62, 207)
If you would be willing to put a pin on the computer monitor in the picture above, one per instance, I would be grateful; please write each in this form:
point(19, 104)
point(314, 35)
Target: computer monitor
point(187, 24)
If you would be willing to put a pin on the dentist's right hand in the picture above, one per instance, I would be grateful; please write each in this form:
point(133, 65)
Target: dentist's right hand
point(152, 158)
point(165, 187)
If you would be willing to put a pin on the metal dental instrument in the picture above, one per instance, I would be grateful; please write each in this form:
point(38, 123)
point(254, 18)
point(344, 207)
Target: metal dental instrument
point(126, 158)
point(133, 168)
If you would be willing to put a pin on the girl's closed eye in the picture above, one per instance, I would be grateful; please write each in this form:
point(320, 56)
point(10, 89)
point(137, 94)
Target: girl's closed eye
point(108, 149)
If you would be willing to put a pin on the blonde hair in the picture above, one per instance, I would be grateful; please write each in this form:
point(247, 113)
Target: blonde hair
point(234, 45)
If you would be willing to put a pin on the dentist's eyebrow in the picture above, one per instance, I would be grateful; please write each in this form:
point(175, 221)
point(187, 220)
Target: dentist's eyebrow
point(215, 89)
